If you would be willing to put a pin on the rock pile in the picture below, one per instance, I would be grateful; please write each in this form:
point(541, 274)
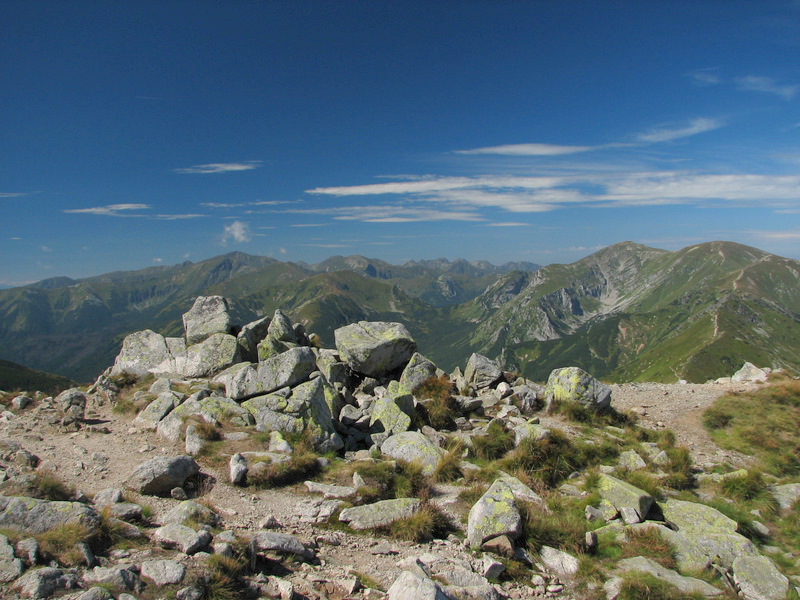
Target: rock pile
point(370, 401)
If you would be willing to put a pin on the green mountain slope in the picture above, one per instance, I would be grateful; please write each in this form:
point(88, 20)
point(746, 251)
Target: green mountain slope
point(15, 377)
point(633, 313)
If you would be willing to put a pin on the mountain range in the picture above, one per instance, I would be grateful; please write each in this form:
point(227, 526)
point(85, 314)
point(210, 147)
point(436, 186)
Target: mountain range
point(625, 313)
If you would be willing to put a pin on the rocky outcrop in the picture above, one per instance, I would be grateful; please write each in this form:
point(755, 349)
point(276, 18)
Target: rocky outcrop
point(375, 349)
point(208, 316)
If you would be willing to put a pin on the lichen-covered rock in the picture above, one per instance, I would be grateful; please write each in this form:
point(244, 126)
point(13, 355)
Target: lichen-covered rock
point(207, 358)
point(758, 578)
point(687, 585)
point(250, 336)
point(186, 539)
point(283, 370)
point(530, 430)
point(141, 351)
point(631, 460)
point(417, 371)
point(191, 511)
point(34, 516)
point(208, 316)
point(412, 446)
point(10, 566)
point(238, 469)
point(482, 372)
point(163, 572)
point(415, 585)
point(156, 410)
point(120, 578)
point(379, 513)
point(375, 349)
point(159, 475)
point(695, 517)
point(493, 515)
point(387, 416)
point(572, 384)
point(621, 493)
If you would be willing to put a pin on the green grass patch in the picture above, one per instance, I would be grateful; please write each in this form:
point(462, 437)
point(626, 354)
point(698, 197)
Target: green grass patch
point(427, 523)
point(436, 396)
point(495, 444)
point(643, 586)
point(763, 423)
point(50, 487)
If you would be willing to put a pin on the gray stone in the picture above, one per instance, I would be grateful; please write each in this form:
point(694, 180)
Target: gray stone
point(686, 585)
point(191, 511)
point(204, 359)
point(330, 491)
point(238, 469)
point(530, 430)
point(121, 578)
point(375, 349)
point(286, 369)
point(749, 373)
point(208, 316)
point(493, 515)
point(758, 578)
point(44, 582)
point(272, 541)
point(482, 372)
point(379, 513)
point(418, 370)
point(141, 351)
point(387, 417)
point(96, 593)
point(156, 410)
point(572, 384)
point(412, 446)
point(72, 403)
point(250, 336)
point(159, 475)
point(558, 562)
point(34, 516)
point(414, 585)
point(194, 443)
point(10, 567)
point(631, 460)
point(186, 539)
point(21, 402)
point(620, 493)
point(163, 572)
point(786, 494)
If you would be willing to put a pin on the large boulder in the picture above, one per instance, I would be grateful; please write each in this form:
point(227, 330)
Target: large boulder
point(572, 384)
point(208, 315)
point(158, 476)
point(375, 349)
point(250, 336)
point(687, 585)
point(418, 370)
point(758, 578)
point(72, 403)
point(283, 370)
point(493, 515)
point(412, 446)
point(156, 410)
point(622, 494)
point(34, 516)
point(482, 372)
point(379, 513)
point(750, 373)
point(142, 351)
point(387, 417)
point(417, 586)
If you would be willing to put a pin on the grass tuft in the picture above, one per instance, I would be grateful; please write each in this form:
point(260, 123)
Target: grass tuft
point(50, 487)
point(427, 523)
point(495, 444)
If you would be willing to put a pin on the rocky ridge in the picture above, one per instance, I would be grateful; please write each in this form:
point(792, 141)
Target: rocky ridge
point(270, 394)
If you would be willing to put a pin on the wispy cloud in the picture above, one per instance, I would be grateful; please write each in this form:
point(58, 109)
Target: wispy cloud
point(753, 83)
point(390, 213)
point(111, 210)
point(178, 217)
point(508, 224)
point(45, 248)
point(237, 231)
point(221, 167)
point(243, 204)
point(12, 194)
point(706, 77)
point(792, 234)
point(700, 125)
point(528, 150)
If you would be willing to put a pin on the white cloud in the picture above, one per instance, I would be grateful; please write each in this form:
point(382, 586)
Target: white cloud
point(15, 238)
point(111, 210)
point(158, 260)
point(706, 77)
point(237, 231)
point(221, 167)
point(283, 251)
point(508, 224)
point(12, 194)
point(776, 235)
point(178, 217)
point(753, 83)
point(700, 125)
point(528, 150)
point(46, 248)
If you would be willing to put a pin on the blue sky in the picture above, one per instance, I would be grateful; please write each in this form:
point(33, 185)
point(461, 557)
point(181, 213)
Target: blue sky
point(145, 133)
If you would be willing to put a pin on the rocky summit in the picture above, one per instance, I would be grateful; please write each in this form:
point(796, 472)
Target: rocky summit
point(245, 460)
